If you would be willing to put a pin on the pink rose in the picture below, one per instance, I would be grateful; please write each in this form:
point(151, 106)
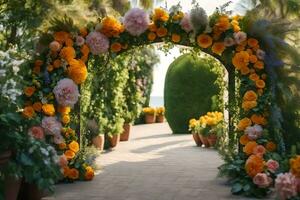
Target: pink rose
point(36, 132)
point(254, 132)
point(80, 41)
point(259, 150)
point(63, 162)
point(272, 165)
point(262, 180)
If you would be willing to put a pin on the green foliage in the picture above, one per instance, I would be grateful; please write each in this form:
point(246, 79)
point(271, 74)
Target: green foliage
point(189, 88)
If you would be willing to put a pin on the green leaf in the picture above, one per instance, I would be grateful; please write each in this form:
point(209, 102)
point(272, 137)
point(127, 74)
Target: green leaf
point(236, 188)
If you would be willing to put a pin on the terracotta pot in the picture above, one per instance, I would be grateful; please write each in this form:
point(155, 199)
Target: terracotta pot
point(12, 188)
point(212, 139)
point(160, 118)
point(149, 119)
point(98, 142)
point(30, 191)
point(114, 140)
point(125, 135)
point(4, 157)
point(204, 140)
point(197, 139)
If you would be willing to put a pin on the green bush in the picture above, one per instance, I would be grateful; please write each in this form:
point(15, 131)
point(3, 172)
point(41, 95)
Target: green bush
point(190, 87)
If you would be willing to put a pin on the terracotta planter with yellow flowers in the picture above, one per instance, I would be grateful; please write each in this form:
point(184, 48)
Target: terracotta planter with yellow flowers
point(197, 139)
point(204, 140)
point(212, 139)
point(150, 115)
point(160, 119)
point(98, 142)
point(160, 114)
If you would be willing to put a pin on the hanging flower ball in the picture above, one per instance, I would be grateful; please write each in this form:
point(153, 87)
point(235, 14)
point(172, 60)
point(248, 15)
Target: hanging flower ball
point(199, 19)
point(97, 42)
point(66, 92)
point(136, 21)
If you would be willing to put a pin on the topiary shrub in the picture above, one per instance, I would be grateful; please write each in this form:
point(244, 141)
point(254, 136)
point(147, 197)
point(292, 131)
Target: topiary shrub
point(190, 88)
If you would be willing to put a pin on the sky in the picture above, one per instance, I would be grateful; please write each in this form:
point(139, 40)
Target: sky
point(161, 68)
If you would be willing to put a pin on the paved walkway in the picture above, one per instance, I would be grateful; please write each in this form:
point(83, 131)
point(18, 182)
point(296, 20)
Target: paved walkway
point(153, 165)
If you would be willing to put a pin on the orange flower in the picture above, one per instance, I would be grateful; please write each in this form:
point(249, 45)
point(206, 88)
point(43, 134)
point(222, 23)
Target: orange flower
point(254, 77)
point(50, 68)
point(64, 110)
point(260, 84)
point(250, 52)
point(28, 91)
point(65, 119)
point(236, 28)
point(48, 109)
point(259, 65)
point(151, 36)
point(247, 105)
point(62, 146)
point(160, 15)
point(222, 25)
point(66, 171)
point(116, 47)
point(218, 48)
point(176, 38)
point(244, 139)
point(253, 59)
point(37, 106)
point(204, 41)
point(252, 42)
point(77, 71)
point(245, 70)
point(28, 112)
point(69, 154)
point(111, 27)
point(56, 63)
point(152, 27)
point(254, 165)
point(241, 59)
point(89, 173)
point(67, 53)
point(161, 32)
point(271, 146)
point(250, 146)
point(69, 42)
point(258, 119)
point(85, 50)
point(240, 48)
point(74, 146)
point(83, 32)
point(250, 95)
point(244, 123)
point(61, 36)
point(73, 174)
point(295, 166)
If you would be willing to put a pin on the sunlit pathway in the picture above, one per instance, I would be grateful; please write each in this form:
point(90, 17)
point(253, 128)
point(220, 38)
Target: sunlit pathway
point(153, 165)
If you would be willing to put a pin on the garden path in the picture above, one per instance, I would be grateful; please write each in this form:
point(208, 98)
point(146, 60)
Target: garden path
point(153, 165)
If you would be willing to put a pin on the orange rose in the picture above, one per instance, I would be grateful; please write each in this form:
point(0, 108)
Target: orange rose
point(254, 165)
point(218, 48)
point(244, 123)
point(66, 171)
point(252, 42)
point(111, 27)
point(258, 119)
point(28, 112)
point(151, 36)
point(204, 41)
point(116, 47)
point(250, 95)
point(67, 53)
point(176, 38)
point(48, 109)
point(240, 48)
point(69, 154)
point(89, 174)
point(295, 166)
point(152, 27)
point(259, 65)
point(260, 84)
point(250, 146)
point(245, 70)
point(65, 119)
point(244, 139)
point(254, 77)
point(64, 110)
point(241, 59)
point(74, 146)
point(37, 106)
point(271, 146)
point(73, 174)
point(56, 63)
point(62, 146)
point(253, 59)
point(247, 105)
point(28, 91)
point(161, 32)
point(160, 15)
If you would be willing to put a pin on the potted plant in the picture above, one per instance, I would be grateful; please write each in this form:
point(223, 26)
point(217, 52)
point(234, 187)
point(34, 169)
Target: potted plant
point(94, 135)
point(160, 114)
point(128, 118)
point(192, 128)
point(149, 115)
point(210, 127)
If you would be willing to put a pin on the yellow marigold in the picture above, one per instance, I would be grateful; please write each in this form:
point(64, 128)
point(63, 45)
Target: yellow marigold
point(252, 42)
point(48, 109)
point(250, 95)
point(295, 166)
point(258, 119)
point(245, 70)
point(28, 112)
point(222, 24)
point(244, 139)
point(89, 173)
point(116, 47)
point(260, 84)
point(56, 63)
point(241, 59)
point(259, 65)
point(50, 68)
point(65, 119)
point(254, 165)
point(77, 71)
point(151, 36)
point(29, 91)
point(62, 146)
point(69, 154)
point(160, 15)
point(37, 106)
point(67, 53)
point(111, 27)
point(64, 110)
point(74, 146)
point(271, 146)
point(244, 123)
point(254, 77)
point(73, 174)
point(248, 149)
point(176, 38)
point(218, 48)
point(247, 105)
point(161, 32)
point(61, 36)
point(204, 41)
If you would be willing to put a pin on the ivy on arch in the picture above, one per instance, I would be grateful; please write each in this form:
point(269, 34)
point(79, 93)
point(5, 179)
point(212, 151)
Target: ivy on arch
point(61, 67)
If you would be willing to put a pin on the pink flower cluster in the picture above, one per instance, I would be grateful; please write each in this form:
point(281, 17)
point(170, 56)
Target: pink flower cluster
point(186, 23)
point(37, 132)
point(272, 165)
point(66, 92)
point(254, 132)
point(136, 21)
point(97, 42)
point(262, 180)
point(286, 186)
point(51, 126)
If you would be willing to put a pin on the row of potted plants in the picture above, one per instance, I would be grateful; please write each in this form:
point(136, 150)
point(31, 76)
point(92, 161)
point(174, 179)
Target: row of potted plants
point(153, 115)
point(207, 129)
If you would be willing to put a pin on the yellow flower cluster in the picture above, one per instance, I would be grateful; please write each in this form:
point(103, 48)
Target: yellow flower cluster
point(111, 27)
point(149, 110)
point(211, 118)
point(160, 15)
point(160, 111)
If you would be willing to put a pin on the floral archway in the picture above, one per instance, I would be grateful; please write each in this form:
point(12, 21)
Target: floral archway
point(59, 69)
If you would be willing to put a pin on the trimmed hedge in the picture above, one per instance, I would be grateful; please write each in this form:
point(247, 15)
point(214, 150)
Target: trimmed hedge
point(189, 89)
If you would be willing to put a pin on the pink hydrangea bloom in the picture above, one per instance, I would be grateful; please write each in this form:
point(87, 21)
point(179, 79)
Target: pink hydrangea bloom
point(66, 92)
point(58, 139)
point(97, 42)
point(259, 150)
point(51, 125)
point(272, 165)
point(286, 186)
point(254, 132)
point(240, 37)
point(36, 132)
point(262, 180)
point(136, 21)
point(186, 23)
point(80, 41)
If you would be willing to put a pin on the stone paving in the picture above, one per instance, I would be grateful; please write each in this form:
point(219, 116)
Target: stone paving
point(153, 165)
